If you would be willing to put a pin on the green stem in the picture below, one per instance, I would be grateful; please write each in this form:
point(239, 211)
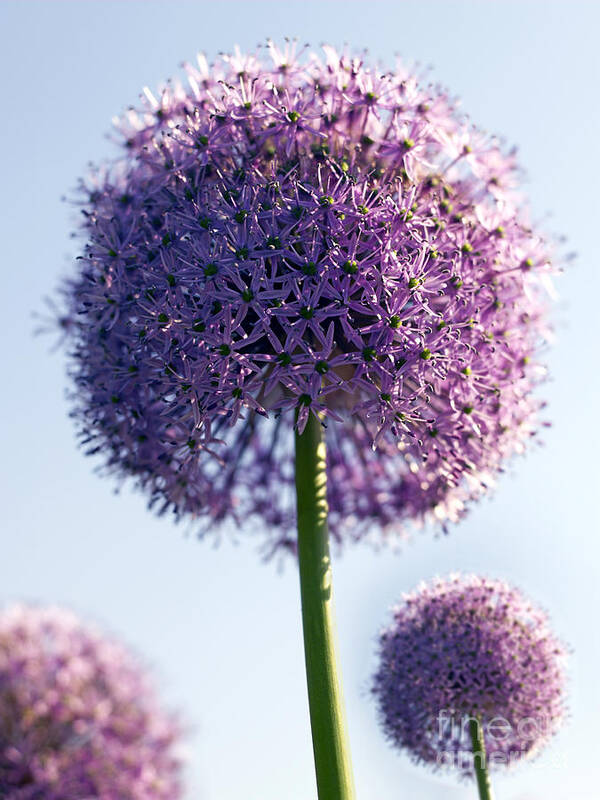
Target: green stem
point(480, 760)
point(327, 717)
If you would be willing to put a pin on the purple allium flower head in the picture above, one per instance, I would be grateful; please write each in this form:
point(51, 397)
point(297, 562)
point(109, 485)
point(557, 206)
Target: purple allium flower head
point(465, 648)
point(304, 233)
point(78, 718)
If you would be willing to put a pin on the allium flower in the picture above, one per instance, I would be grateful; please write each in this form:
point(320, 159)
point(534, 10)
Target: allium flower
point(78, 718)
point(306, 234)
point(469, 648)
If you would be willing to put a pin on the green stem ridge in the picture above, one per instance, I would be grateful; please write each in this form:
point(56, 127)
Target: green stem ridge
point(480, 760)
point(327, 716)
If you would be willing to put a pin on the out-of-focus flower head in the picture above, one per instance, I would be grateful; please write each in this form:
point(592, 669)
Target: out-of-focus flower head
point(289, 233)
point(78, 717)
point(467, 648)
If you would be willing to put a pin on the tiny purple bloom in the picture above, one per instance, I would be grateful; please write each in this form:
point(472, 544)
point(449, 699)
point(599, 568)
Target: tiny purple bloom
point(308, 234)
point(466, 648)
point(78, 718)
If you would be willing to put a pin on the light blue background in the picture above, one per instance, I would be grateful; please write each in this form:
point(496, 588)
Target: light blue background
point(221, 628)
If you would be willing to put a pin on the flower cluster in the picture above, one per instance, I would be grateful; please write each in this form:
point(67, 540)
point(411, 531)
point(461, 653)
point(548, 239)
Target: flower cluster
point(309, 234)
point(77, 716)
point(469, 648)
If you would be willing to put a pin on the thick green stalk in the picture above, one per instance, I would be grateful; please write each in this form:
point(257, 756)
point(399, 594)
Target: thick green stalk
point(480, 760)
point(327, 717)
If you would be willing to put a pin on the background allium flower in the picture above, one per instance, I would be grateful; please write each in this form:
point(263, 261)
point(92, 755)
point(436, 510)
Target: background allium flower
point(467, 647)
point(306, 234)
point(78, 718)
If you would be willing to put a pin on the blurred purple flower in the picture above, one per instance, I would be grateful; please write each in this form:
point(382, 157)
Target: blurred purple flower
point(309, 234)
point(78, 718)
point(469, 647)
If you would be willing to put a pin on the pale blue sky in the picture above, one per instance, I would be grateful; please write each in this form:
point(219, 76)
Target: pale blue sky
point(222, 629)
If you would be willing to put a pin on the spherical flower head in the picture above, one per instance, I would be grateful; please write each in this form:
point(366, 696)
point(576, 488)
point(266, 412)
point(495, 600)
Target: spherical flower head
point(296, 234)
point(469, 648)
point(78, 718)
